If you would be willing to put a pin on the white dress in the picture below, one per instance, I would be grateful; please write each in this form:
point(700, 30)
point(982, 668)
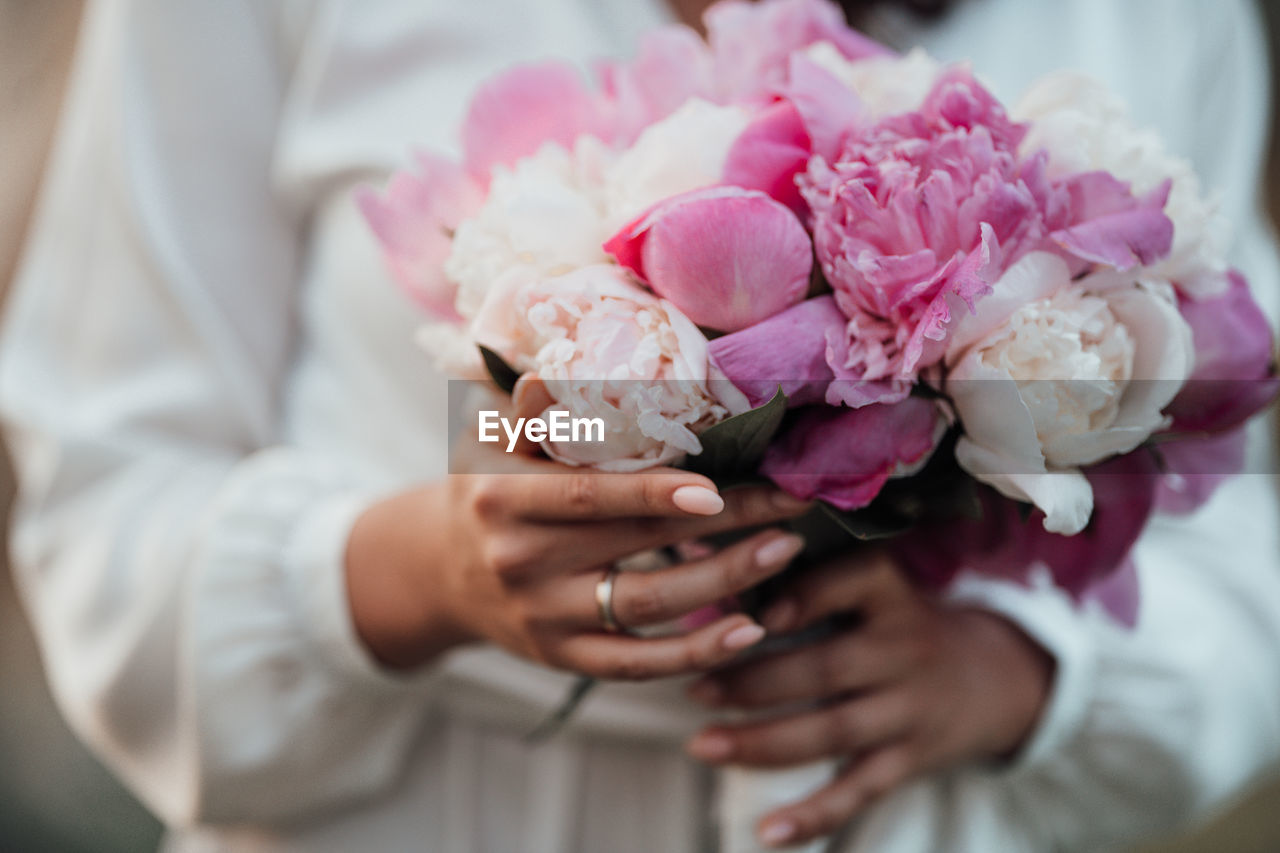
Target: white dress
point(205, 375)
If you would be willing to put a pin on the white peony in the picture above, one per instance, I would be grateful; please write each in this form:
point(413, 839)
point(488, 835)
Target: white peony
point(1052, 374)
point(684, 151)
point(886, 85)
point(1085, 127)
point(544, 216)
point(604, 347)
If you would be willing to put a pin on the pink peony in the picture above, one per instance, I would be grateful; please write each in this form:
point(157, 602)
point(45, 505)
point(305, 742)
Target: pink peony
point(728, 258)
point(923, 211)
point(912, 222)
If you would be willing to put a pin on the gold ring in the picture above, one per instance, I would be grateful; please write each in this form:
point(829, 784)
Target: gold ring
point(604, 601)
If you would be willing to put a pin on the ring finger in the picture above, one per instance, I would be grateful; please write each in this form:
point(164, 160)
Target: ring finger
point(651, 598)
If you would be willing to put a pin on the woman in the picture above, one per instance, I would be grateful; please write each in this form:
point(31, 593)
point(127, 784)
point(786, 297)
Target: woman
point(267, 608)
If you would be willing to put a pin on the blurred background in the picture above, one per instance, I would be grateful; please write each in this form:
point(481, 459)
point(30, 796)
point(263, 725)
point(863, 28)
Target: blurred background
point(54, 797)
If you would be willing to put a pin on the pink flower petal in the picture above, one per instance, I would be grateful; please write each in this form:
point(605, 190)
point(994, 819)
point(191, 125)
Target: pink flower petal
point(769, 154)
point(726, 257)
point(1119, 594)
point(1234, 376)
point(1113, 227)
point(413, 220)
point(1196, 467)
point(672, 65)
point(522, 109)
point(753, 42)
point(845, 456)
point(788, 349)
point(1008, 543)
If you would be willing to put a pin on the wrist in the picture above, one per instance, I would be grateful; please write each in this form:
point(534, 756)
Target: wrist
point(397, 583)
point(1015, 682)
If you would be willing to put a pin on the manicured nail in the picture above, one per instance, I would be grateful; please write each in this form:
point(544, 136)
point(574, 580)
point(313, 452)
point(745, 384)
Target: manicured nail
point(777, 832)
point(697, 500)
point(707, 692)
point(780, 616)
point(710, 746)
point(740, 638)
point(778, 552)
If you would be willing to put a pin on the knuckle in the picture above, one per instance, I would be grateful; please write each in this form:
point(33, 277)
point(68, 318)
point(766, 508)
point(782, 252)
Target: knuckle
point(488, 498)
point(652, 497)
point(582, 492)
point(507, 558)
point(646, 603)
point(631, 669)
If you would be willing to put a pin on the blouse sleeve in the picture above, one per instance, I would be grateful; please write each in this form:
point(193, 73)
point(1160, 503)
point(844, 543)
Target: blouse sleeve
point(181, 564)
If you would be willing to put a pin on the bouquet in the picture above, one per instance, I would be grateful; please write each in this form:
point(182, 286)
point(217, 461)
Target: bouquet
point(788, 252)
point(998, 338)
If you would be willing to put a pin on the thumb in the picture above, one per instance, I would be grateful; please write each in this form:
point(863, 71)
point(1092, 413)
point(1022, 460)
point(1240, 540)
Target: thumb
point(531, 399)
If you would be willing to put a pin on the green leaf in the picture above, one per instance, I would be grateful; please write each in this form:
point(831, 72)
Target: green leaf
point(869, 523)
point(734, 447)
point(503, 374)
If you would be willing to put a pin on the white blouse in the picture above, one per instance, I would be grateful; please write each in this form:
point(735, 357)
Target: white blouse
point(205, 376)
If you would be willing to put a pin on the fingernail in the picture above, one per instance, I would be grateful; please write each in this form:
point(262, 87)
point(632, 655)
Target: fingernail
point(739, 638)
point(777, 832)
point(780, 616)
point(697, 500)
point(710, 746)
point(778, 552)
point(706, 692)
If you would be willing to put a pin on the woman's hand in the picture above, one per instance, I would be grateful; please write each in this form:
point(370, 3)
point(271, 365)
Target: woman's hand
point(913, 687)
point(512, 555)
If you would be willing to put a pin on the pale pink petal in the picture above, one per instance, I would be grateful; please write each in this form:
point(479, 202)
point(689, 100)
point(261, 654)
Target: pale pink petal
point(522, 109)
point(753, 42)
point(672, 66)
point(726, 257)
point(414, 219)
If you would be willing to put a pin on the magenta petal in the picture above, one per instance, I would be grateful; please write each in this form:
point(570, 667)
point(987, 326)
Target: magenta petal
point(413, 218)
point(1234, 374)
point(789, 350)
point(726, 257)
point(1119, 594)
point(845, 456)
point(1007, 543)
point(522, 109)
point(1196, 467)
point(769, 153)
